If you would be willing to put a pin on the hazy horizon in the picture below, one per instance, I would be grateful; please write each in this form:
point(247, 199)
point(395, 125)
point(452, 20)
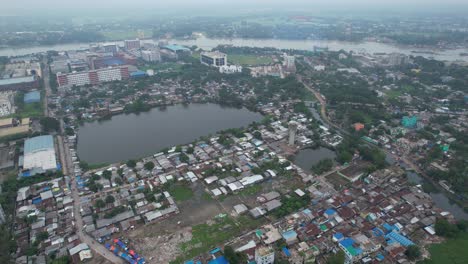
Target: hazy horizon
point(204, 7)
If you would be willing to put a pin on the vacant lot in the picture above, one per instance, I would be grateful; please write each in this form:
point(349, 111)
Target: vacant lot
point(249, 59)
point(453, 251)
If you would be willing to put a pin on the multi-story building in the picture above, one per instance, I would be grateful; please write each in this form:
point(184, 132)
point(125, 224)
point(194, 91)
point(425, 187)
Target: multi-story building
point(132, 44)
point(264, 255)
point(151, 55)
point(111, 48)
point(93, 77)
point(213, 58)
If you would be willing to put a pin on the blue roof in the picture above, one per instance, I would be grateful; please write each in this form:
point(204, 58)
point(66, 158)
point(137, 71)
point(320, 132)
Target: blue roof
point(338, 236)
point(399, 238)
point(192, 262)
point(175, 47)
point(330, 211)
point(387, 227)
point(215, 250)
point(286, 251)
point(38, 143)
point(34, 96)
point(138, 74)
point(289, 234)
point(219, 260)
point(347, 242)
point(113, 61)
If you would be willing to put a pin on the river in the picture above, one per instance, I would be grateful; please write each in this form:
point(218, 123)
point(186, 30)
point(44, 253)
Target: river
point(439, 198)
point(133, 136)
point(209, 43)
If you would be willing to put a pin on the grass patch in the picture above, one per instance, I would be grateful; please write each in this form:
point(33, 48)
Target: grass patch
point(249, 59)
point(392, 94)
point(251, 190)
point(30, 110)
point(206, 237)
point(453, 251)
point(124, 34)
point(181, 192)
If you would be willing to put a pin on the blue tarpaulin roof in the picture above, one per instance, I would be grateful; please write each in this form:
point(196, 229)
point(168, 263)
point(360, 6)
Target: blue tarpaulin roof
point(286, 252)
point(219, 260)
point(338, 236)
point(330, 211)
point(32, 97)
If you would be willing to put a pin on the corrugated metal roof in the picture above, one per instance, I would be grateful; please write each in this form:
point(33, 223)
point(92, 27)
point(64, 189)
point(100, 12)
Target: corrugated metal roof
point(17, 80)
point(38, 143)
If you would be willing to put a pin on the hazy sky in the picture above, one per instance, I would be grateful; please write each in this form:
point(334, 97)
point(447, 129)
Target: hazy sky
point(28, 6)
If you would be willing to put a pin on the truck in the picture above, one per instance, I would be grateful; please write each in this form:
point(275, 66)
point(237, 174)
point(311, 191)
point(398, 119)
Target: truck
point(121, 244)
point(128, 258)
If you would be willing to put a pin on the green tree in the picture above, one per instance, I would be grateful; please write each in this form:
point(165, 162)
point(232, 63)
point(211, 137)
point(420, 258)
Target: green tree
point(149, 165)
point(131, 163)
point(49, 124)
point(100, 203)
point(107, 175)
point(446, 229)
point(110, 199)
point(234, 257)
point(413, 252)
point(338, 258)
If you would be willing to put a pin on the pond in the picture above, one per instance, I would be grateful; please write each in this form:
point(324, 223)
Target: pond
point(306, 158)
point(133, 136)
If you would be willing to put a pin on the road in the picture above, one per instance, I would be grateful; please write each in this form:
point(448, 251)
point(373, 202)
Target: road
point(48, 91)
point(68, 168)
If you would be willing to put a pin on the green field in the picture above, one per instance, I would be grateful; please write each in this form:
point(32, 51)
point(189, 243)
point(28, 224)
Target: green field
point(250, 60)
point(453, 251)
point(30, 110)
point(181, 192)
point(124, 34)
point(206, 237)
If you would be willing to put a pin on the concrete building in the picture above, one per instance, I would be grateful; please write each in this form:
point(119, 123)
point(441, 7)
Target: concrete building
point(395, 59)
point(292, 133)
point(132, 44)
point(213, 58)
point(93, 77)
point(289, 62)
point(110, 47)
point(39, 155)
point(264, 255)
point(230, 69)
point(151, 55)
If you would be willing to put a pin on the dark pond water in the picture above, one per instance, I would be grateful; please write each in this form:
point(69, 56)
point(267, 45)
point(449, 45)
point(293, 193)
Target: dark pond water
point(306, 158)
point(135, 136)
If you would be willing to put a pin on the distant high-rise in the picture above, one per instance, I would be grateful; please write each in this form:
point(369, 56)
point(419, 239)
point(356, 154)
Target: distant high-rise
point(289, 61)
point(110, 47)
point(151, 55)
point(92, 77)
point(292, 132)
point(214, 58)
point(132, 44)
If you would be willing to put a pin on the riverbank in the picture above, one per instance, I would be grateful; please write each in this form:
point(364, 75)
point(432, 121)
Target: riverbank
point(210, 43)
